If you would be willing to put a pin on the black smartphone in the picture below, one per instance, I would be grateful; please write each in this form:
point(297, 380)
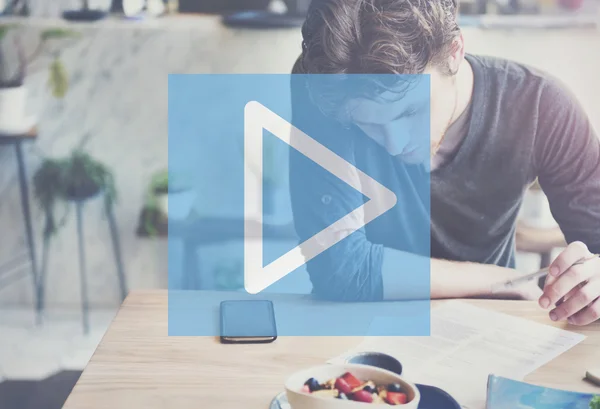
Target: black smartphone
point(248, 322)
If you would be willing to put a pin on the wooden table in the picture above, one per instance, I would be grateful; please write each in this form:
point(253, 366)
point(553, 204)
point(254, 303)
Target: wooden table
point(136, 366)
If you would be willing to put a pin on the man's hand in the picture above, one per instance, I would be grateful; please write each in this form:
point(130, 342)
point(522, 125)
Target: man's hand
point(574, 290)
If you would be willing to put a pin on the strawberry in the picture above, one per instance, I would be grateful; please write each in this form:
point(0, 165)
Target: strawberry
point(396, 398)
point(351, 380)
point(342, 385)
point(362, 396)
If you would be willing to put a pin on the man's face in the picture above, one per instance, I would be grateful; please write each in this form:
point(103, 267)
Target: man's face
point(410, 127)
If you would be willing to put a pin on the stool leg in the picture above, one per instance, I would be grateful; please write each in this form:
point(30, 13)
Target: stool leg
point(83, 281)
point(114, 234)
point(41, 288)
point(24, 187)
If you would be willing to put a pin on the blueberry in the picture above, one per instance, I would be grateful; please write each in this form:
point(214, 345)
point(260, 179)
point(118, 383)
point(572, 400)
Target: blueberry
point(313, 384)
point(394, 387)
point(342, 396)
point(369, 389)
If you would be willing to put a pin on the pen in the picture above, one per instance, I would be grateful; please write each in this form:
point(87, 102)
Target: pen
point(534, 276)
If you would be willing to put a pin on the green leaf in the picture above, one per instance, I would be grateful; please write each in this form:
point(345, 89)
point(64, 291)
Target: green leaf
point(160, 180)
point(54, 33)
point(595, 402)
point(55, 177)
point(58, 80)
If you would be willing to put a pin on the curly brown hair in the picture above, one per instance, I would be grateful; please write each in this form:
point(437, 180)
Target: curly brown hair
point(389, 38)
point(377, 36)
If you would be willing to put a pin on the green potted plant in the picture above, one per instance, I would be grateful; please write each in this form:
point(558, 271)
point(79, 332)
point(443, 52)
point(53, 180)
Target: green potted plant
point(159, 191)
point(154, 221)
point(76, 178)
point(15, 63)
point(155, 214)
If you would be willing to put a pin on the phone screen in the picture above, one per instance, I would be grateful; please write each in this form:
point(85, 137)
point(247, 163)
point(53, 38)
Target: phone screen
point(248, 321)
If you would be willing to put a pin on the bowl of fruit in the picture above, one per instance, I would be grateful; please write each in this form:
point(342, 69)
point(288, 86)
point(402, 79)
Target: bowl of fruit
point(349, 386)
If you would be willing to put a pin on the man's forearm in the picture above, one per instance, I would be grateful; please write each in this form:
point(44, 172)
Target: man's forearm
point(448, 279)
point(451, 279)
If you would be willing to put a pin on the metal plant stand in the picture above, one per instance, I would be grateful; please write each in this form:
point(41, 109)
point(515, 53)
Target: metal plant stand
point(116, 247)
point(9, 270)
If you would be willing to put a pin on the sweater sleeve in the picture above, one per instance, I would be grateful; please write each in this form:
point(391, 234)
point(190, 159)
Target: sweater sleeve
point(567, 155)
point(351, 269)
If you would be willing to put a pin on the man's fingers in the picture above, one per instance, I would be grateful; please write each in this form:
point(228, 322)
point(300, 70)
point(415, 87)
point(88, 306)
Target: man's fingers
point(588, 315)
point(569, 294)
point(571, 255)
point(578, 299)
point(549, 281)
point(564, 284)
point(572, 288)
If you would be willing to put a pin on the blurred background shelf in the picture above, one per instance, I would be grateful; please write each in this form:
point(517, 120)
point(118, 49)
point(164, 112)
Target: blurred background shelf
point(531, 21)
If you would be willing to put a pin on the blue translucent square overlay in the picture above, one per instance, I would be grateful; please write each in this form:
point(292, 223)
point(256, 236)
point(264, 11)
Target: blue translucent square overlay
point(302, 190)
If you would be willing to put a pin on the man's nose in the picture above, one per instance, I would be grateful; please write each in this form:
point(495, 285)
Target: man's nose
point(395, 137)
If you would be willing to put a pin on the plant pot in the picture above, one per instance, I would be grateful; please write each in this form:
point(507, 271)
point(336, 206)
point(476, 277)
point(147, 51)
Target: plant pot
point(13, 119)
point(152, 222)
point(181, 203)
point(83, 192)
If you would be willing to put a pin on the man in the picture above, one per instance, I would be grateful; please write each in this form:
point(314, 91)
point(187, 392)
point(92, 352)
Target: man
point(495, 127)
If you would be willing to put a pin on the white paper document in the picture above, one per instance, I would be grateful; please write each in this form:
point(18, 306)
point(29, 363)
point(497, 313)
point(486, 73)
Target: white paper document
point(466, 345)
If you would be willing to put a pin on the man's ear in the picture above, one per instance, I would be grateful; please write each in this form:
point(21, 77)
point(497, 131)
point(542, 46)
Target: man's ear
point(457, 54)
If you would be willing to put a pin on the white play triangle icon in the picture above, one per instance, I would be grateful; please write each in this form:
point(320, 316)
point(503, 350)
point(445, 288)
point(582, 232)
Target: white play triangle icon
point(256, 119)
